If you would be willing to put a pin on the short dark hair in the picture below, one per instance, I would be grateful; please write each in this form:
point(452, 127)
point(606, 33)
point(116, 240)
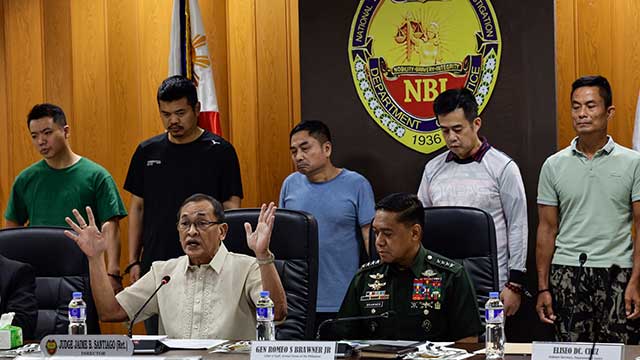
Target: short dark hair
point(47, 110)
point(218, 210)
point(407, 206)
point(598, 81)
point(177, 87)
point(453, 99)
point(317, 129)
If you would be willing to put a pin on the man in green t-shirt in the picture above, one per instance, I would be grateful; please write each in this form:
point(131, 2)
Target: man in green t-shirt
point(418, 294)
point(44, 193)
point(588, 200)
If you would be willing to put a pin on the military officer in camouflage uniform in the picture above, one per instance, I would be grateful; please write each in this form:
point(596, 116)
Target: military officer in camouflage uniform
point(429, 296)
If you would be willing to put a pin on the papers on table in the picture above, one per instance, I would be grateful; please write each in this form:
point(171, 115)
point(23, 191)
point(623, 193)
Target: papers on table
point(182, 344)
point(191, 344)
point(148, 337)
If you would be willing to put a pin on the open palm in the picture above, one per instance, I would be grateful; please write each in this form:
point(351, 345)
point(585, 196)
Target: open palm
point(259, 240)
point(88, 237)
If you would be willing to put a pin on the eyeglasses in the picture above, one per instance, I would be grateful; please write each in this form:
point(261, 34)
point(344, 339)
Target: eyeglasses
point(201, 225)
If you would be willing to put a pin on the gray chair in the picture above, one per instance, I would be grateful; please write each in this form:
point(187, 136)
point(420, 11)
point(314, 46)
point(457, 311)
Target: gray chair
point(294, 242)
point(60, 269)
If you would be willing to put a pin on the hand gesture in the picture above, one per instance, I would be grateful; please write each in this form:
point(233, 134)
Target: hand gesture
point(88, 237)
point(511, 301)
point(544, 308)
point(632, 300)
point(259, 240)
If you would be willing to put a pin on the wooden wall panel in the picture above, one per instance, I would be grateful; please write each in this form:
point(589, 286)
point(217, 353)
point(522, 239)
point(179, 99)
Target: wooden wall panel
point(566, 70)
point(124, 79)
point(102, 62)
point(293, 50)
point(243, 93)
point(625, 78)
point(91, 135)
point(58, 70)
point(24, 76)
point(274, 103)
point(5, 180)
point(593, 37)
point(154, 19)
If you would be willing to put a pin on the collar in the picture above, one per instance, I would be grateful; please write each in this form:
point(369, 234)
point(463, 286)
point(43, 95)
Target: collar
point(477, 157)
point(215, 263)
point(418, 264)
point(607, 148)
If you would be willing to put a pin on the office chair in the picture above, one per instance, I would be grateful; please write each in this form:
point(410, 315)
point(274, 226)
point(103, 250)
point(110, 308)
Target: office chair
point(294, 242)
point(60, 268)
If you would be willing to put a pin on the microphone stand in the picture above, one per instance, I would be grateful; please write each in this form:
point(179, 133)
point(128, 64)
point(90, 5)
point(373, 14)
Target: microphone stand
point(163, 282)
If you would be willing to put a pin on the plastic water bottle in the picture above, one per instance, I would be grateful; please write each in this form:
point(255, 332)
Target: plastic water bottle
point(265, 329)
point(77, 315)
point(494, 315)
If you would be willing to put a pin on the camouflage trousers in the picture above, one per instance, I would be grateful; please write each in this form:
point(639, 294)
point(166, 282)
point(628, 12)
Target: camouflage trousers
point(596, 310)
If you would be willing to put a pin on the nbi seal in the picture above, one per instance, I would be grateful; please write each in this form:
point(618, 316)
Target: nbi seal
point(404, 53)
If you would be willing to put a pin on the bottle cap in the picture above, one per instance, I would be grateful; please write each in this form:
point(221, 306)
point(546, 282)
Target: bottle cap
point(77, 294)
point(494, 294)
point(264, 293)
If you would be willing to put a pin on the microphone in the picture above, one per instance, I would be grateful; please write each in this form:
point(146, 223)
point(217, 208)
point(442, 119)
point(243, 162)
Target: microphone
point(614, 270)
point(582, 259)
point(576, 282)
point(372, 325)
point(163, 282)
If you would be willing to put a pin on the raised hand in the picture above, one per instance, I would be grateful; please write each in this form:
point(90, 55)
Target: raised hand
point(259, 240)
point(88, 237)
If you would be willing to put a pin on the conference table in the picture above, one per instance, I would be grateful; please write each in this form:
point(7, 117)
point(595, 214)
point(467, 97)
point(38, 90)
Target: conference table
point(631, 352)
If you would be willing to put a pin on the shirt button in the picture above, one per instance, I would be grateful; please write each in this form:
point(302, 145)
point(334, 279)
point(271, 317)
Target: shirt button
point(197, 301)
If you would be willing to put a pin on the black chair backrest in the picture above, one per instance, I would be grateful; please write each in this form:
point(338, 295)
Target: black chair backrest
point(60, 268)
point(294, 242)
point(466, 235)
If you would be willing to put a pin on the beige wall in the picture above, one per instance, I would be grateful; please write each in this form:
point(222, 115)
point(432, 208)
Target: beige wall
point(102, 61)
point(598, 37)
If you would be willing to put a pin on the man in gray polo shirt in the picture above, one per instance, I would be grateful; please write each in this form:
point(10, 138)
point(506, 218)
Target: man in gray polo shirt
point(588, 198)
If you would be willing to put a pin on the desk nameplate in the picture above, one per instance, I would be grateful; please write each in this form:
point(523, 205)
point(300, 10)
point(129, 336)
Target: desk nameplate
point(576, 351)
point(299, 350)
point(86, 345)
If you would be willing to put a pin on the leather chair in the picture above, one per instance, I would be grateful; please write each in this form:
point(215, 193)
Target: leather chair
point(294, 242)
point(60, 268)
point(468, 236)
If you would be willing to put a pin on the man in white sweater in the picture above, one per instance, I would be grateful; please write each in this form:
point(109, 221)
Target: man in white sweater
point(473, 173)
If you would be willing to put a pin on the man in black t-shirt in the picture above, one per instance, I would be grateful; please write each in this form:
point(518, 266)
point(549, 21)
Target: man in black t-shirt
point(168, 168)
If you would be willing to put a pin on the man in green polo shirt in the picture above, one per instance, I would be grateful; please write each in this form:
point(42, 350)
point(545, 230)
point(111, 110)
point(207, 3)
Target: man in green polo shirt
point(588, 198)
point(44, 193)
point(425, 295)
